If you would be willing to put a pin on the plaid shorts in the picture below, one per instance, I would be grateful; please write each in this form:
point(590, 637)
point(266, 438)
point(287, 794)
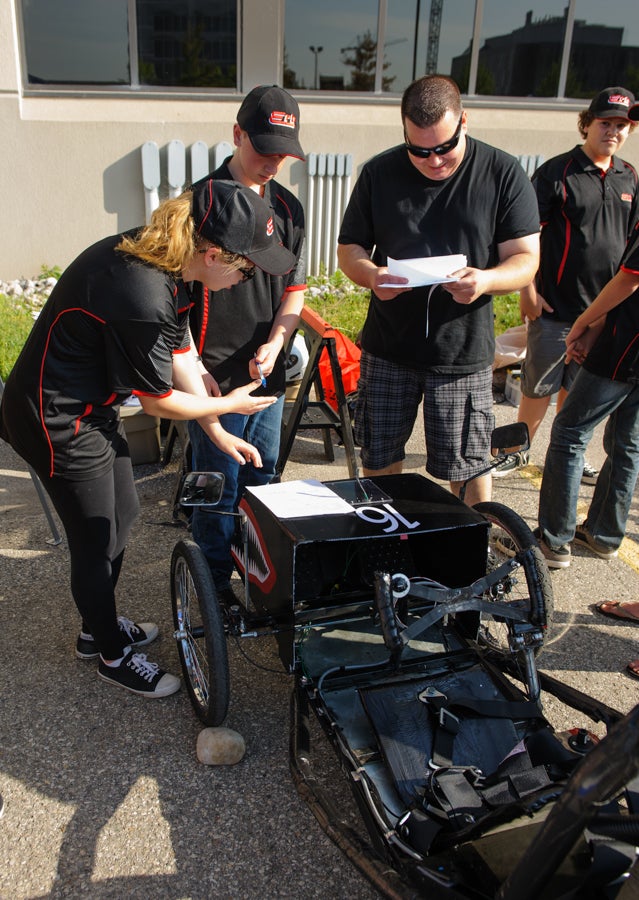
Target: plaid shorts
point(458, 417)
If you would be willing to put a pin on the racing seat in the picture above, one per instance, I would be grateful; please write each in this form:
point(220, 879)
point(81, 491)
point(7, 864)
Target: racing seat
point(463, 748)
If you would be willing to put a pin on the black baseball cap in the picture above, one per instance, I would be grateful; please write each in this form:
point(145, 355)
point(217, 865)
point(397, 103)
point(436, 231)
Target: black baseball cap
point(271, 118)
point(633, 113)
point(236, 219)
point(613, 102)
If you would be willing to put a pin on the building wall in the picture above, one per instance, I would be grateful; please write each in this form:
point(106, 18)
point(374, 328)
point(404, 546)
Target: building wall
point(71, 170)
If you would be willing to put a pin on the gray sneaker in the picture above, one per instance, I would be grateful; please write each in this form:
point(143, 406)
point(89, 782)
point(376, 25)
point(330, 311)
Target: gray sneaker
point(589, 474)
point(556, 557)
point(584, 539)
point(512, 462)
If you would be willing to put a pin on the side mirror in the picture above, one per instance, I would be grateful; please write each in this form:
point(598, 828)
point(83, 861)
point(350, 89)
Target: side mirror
point(509, 439)
point(201, 489)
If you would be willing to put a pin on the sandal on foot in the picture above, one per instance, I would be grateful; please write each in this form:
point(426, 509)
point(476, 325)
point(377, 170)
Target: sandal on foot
point(618, 609)
point(632, 668)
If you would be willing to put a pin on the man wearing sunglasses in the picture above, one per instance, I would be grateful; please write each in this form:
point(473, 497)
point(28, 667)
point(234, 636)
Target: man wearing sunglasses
point(439, 193)
point(243, 332)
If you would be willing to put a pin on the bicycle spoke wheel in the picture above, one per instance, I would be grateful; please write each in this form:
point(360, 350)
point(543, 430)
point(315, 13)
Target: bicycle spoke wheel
point(509, 536)
point(199, 631)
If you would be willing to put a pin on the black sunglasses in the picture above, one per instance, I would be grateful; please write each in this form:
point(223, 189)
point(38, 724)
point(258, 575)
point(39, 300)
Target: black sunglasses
point(441, 149)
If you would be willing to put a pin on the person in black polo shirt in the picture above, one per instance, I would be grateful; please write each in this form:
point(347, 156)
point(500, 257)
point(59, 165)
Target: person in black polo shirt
point(605, 340)
point(117, 323)
point(243, 331)
point(587, 206)
point(439, 193)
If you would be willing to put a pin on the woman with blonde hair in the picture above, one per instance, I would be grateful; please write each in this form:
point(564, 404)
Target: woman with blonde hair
point(116, 324)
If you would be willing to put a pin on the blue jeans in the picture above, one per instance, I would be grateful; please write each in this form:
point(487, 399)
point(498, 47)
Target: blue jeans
point(213, 532)
point(590, 400)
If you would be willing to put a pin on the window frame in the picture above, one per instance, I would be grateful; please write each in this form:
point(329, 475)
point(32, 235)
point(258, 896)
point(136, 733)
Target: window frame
point(271, 15)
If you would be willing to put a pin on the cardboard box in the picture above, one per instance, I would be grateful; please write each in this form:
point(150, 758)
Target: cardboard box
point(142, 434)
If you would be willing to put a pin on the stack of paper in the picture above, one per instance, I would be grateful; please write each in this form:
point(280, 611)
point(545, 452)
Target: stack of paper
point(425, 269)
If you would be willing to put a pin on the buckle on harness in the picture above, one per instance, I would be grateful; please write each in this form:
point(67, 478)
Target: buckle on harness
point(448, 720)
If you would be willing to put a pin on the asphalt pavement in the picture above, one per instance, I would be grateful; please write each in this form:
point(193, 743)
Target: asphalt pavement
point(104, 795)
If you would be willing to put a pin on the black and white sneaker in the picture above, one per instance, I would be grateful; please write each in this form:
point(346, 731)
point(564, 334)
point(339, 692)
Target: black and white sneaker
point(584, 539)
point(512, 462)
point(134, 634)
point(556, 557)
point(589, 474)
point(137, 674)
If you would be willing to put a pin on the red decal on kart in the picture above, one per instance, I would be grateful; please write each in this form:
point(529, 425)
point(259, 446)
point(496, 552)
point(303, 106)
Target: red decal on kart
point(261, 570)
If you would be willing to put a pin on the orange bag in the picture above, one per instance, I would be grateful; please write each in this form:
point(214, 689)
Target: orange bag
point(348, 355)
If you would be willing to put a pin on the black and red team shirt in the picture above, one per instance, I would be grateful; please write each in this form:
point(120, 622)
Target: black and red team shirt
point(587, 216)
point(396, 211)
point(229, 325)
point(109, 329)
point(616, 353)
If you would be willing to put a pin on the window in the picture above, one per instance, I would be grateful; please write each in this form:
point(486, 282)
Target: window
point(89, 42)
point(343, 49)
point(604, 49)
point(76, 41)
point(522, 48)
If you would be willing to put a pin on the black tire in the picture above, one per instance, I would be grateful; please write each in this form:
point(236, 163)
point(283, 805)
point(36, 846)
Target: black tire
point(199, 632)
point(529, 581)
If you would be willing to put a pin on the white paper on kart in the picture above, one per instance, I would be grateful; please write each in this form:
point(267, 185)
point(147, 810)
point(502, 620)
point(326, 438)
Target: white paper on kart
point(425, 269)
point(298, 499)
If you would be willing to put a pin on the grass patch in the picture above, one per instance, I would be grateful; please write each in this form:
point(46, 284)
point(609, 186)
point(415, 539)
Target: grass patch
point(15, 325)
point(336, 299)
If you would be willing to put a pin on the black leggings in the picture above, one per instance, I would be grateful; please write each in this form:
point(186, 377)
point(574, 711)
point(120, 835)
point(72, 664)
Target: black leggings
point(97, 516)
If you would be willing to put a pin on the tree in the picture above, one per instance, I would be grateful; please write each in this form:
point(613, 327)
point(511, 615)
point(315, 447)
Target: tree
point(362, 60)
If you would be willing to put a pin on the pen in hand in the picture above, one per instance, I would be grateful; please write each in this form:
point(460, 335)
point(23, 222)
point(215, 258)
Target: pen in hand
point(260, 373)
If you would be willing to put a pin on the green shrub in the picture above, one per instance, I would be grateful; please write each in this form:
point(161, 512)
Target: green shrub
point(506, 312)
point(15, 324)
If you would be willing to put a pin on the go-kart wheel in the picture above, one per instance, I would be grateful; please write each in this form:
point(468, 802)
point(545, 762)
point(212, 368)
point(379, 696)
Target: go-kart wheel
point(509, 536)
point(199, 632)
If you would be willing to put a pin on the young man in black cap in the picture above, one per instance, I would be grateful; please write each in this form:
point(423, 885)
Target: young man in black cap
point(243, 331)
point(115, 324)
point(587, 205)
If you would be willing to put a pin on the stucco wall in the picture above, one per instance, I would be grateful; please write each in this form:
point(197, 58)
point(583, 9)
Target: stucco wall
point(72, 170)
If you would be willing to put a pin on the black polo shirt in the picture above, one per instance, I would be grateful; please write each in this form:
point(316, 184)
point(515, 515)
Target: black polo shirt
point(398, 212)
point(229, 325)
point(587, 216)
point(616, 353)
point(109, 329)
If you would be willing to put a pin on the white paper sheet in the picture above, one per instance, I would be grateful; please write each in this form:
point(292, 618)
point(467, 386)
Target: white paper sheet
point(296, 499)
point(425, 269)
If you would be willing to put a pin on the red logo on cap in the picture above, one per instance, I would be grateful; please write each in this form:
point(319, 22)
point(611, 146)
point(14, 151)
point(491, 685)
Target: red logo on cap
point(621, 99)
point(289, 120)
point(269, 227)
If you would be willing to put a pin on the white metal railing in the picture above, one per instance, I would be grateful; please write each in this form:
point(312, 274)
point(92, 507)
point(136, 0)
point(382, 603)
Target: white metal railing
point(328, 188)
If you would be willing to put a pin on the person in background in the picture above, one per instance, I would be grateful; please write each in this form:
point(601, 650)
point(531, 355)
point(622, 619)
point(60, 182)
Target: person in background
point(605, 340)
point(115, 324)
point(439, 193)
point(588, 206)
point(243, 331)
